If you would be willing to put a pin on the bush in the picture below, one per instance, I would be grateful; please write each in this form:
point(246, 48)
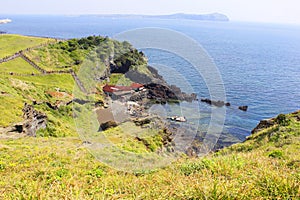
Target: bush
point(96, 172)
point(194, 167)
point(276, 154)
point(282, 120)
point(2, 166)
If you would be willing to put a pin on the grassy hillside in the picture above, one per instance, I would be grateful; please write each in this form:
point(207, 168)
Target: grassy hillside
point(57, 164)
point(72, 53)
point(10, 44)
point(19, 66)
point(19, 86)
point(59, 168)
point(119, 79)
point(16, 90)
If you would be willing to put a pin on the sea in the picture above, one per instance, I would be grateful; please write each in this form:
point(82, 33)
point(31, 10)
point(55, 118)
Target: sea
point(259, 63)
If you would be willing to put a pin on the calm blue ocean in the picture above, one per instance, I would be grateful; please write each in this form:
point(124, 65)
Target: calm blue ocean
point(259, 63)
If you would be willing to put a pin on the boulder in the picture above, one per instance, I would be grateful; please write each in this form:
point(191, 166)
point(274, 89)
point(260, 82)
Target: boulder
point(243, 108)
point(107, 125)
point(142, 121)
point(34, 120)
point(215, 103)
point(227, 104)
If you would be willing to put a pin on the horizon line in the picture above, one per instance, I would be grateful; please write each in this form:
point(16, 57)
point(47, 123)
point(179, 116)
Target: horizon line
point(127, 14)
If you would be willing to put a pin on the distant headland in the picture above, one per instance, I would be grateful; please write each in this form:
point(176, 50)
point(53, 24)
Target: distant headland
point(205, 17)
point(202, 17)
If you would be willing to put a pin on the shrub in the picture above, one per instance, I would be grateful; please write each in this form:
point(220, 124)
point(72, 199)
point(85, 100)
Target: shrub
point(96, 172)
point(194, 167)
point(61, 172)
point(2, 166)
point(276, 154)
point(282, 120)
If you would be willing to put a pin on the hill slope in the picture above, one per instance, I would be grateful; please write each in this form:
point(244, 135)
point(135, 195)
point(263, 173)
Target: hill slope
point(265, 166)
point(57, 165)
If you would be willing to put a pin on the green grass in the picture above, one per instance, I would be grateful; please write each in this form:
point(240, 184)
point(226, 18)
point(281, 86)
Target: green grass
point(143, 69)
point(71, 54)
point(11, 110)
point(119, 79)
point(10, 44)
point(60, 122)
point(17, 65)
point(266, 166)
point(50, 58)
point(11, 101)
point(59, 168)
point(124, 137)
point(64, 82)
point(16, 90)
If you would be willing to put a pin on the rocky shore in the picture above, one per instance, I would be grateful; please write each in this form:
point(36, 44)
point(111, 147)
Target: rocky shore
point(164, 93)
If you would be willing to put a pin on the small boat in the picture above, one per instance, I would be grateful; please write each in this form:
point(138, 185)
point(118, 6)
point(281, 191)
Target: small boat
point(178, 119)
point(5, 21)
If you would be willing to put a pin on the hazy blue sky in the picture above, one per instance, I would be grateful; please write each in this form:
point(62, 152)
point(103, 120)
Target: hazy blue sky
point(280, 11)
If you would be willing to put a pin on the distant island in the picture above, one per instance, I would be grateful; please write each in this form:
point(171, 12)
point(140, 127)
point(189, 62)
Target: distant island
point(5, 21)
point(202, 17)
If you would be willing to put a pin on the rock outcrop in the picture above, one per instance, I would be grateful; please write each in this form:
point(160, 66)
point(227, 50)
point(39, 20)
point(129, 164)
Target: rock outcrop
point(160, 93)
point(281, 119)
point(163, 93)
point(107, 125)
point(142, 121)
point(263, 124)
point(120, 69)
point(243, 108)
point(215, 103)
point(34, 120)
point(138, 77)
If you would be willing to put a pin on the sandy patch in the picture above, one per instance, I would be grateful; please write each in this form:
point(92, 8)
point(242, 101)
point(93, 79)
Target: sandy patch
point(20, 84)
point(117, 112)
point(59, 94)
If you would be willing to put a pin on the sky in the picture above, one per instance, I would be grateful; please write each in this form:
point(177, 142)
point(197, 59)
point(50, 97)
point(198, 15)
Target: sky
point(275, 11)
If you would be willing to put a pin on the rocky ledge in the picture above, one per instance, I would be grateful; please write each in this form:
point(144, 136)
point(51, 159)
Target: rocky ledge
point(34, 120)
point(163, 93)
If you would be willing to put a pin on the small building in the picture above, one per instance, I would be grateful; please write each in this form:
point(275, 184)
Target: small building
point(117, 92)
point(137, 86)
